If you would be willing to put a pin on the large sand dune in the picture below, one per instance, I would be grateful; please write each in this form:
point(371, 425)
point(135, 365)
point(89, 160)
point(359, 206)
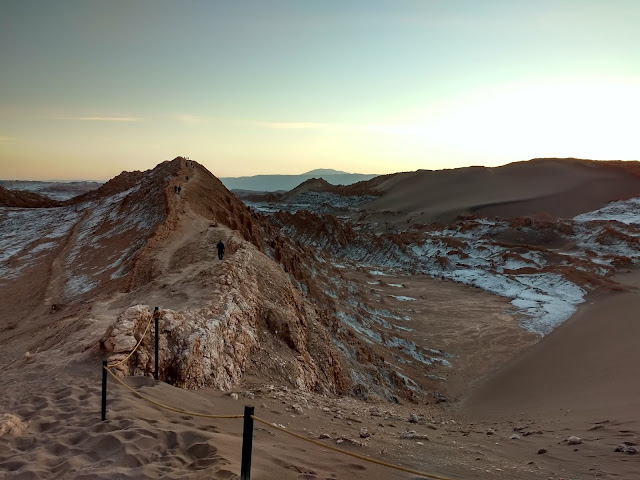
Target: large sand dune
point(561, 188)
point(583, 366)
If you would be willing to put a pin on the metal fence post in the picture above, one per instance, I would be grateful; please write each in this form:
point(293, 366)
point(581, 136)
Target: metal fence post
point(104, 390)
point(155, 372)
point(247, 444)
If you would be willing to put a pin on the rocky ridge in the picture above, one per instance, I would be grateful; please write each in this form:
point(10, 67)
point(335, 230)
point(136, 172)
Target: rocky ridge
point(267, 310)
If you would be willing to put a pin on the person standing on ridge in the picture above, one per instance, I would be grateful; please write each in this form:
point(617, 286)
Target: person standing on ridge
point(220, 247)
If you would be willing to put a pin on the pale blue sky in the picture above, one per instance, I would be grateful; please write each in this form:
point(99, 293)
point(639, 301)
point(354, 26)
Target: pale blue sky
point(89, 88)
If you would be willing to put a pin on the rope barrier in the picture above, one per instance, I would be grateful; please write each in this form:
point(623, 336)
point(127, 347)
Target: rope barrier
point(167, 407)
point(351, 454)
point(134, 348)
point(276, 427)
point(107, 369)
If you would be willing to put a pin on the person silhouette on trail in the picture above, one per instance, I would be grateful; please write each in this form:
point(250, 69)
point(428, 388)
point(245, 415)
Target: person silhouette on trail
point(220, 247)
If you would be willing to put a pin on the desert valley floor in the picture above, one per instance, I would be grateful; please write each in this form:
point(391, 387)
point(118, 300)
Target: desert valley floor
point(479, 338)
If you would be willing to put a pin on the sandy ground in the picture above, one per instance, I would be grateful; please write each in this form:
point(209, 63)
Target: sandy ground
point(59, 400)
point(438, 316)
point(64, 437)
point(576, 381)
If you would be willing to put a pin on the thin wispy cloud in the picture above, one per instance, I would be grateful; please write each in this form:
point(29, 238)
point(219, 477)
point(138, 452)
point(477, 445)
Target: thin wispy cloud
point(196, 119)
point(295, 125)
point(101, 119)
point(190, 119)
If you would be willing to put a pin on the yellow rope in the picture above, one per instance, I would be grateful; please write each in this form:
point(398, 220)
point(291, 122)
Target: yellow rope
point(284, 430)
point(361, 457)
point(167, 407)
point(134, 348)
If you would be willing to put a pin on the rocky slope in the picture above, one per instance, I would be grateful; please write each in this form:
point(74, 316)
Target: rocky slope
point(282, 305)
point(93, 268)
point(546, 266)
point(321, 322)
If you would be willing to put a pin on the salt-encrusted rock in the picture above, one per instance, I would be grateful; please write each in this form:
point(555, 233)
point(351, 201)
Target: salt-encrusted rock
point(414, 418)
point(364, 432)
point(324, 435)
point(515, 436)
point(234, 395)
point(626, 449)
point(123, 335)
point(413, 435)
point(375, 412)
point(573, 440)
point(350, 441)
point(491, 431)
point(11, 425)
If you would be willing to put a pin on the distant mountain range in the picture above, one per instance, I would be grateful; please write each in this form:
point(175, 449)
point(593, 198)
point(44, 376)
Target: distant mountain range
point(274, 183)
point(49, 190)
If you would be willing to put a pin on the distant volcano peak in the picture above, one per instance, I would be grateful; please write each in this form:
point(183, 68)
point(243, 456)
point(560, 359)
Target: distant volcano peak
point(325, 171)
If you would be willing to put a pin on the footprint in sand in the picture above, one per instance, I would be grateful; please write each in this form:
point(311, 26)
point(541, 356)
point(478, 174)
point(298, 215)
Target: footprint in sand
point(56, 449)
point(12, 465)
point(201, 451)
point(106, 444)
point(191, 437)
point(62, 393)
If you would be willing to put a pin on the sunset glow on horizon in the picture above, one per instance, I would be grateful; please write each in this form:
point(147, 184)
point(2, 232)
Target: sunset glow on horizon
point(92, 88)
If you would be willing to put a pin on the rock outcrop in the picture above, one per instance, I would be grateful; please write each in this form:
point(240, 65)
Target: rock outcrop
point(254, 320)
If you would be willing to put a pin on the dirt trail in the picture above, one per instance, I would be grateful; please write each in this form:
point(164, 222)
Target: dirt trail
point(185, 262)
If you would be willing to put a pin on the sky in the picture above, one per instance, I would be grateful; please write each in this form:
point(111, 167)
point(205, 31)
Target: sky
point(89, 88)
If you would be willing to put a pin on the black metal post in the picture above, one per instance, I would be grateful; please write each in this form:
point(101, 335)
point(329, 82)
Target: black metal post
point(155, 372)
point(247, 444)
point(104, 390)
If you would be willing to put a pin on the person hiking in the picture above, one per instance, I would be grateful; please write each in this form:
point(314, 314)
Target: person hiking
point(220, 247)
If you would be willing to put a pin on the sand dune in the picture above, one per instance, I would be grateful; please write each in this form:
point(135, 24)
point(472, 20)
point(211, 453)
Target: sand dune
point(561, 188)
point(577, 381)
point(582, 366)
